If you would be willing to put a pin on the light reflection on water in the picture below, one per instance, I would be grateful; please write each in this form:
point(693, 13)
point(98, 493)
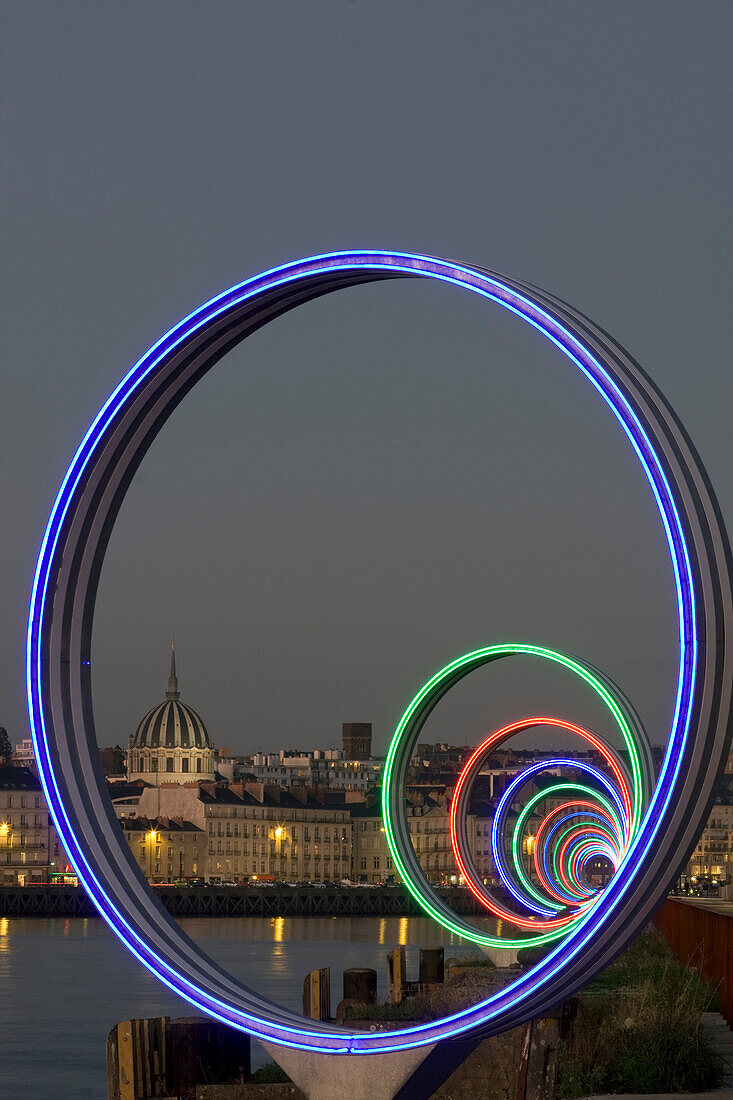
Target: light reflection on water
point(64, 983)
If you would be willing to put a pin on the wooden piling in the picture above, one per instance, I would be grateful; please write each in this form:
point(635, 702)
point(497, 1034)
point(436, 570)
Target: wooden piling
point(317, 994)
point(360, 985)
point(158, 1056)
point(136, 1059)
point(432, 968)
point(396, 971)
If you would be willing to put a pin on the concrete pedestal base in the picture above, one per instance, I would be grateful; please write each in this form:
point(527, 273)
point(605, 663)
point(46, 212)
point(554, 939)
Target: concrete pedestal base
point(347, 1076)
point(501, 957)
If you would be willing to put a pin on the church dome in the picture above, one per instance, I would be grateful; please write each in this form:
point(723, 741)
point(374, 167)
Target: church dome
point(171, 724)
point(171, 744)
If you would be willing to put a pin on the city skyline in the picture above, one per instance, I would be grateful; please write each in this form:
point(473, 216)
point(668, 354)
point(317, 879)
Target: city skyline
point(395, 475)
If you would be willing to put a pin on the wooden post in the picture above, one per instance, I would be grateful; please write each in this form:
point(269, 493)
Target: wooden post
point(537, 1077)
point(432, 969)
point(317, 994)
point(360, 984)
point(396, 973)
point(136, 1059)
point(201, 1050)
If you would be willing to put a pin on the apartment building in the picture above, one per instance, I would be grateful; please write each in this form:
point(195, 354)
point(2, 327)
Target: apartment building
point(30, 850)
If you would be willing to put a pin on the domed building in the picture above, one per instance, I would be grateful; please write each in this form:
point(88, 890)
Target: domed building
point(171, 744)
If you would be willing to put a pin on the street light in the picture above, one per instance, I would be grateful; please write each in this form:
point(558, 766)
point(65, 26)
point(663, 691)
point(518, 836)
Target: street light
point(151, 837)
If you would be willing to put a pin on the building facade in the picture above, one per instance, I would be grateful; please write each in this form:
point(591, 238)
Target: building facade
point(327, 768)
point(166, 850)
point(713, 854)
point(257, 831)
point(30, 850)
point(428, 822)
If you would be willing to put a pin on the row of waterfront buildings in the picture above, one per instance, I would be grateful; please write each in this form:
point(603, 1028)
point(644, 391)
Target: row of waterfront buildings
point(193, 813)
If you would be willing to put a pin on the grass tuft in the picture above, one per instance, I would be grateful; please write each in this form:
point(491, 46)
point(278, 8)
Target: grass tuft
point(638, 1028)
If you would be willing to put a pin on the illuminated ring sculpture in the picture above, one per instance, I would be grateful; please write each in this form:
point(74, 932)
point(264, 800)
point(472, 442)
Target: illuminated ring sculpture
point(630, 802)
point(624, 833)
point(604, 829)
point(60, 637)
point(402, 749)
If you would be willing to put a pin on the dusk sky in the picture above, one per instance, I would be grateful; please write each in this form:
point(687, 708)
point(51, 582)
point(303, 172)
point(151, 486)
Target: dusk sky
point(398, 473)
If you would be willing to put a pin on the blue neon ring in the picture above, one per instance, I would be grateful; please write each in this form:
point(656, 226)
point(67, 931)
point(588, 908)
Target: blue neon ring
point(62, 605)
point(505, 804)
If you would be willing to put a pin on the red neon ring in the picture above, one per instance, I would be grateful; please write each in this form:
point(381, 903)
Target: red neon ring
point(467, 774)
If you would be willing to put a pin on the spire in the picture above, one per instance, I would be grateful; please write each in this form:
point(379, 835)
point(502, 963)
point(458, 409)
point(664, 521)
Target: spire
point(172, 692)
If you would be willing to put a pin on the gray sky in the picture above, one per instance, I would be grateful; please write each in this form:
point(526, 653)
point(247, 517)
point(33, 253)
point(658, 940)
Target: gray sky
point(398, 473)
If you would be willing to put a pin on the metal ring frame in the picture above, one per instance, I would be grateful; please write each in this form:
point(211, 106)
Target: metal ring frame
point(60, 633)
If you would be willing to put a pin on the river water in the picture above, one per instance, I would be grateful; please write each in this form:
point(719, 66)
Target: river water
point(65, 983)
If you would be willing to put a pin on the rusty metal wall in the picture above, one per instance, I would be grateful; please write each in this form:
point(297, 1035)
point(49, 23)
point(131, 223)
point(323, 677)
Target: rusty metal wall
point(702, 936)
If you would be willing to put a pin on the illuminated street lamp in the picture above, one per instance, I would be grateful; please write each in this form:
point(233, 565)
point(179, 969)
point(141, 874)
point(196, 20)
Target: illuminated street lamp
point(151, 838)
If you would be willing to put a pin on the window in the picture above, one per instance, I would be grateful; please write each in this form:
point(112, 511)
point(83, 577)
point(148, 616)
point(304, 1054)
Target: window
point(169, 764)
point(184, 764)
point(376, 863)
point(198, 763)
point(363, 863)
